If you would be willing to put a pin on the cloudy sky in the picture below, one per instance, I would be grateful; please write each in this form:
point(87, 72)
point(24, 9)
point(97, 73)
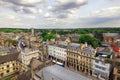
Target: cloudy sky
point(59, 13)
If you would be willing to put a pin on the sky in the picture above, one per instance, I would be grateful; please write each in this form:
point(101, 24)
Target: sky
point(59, 13)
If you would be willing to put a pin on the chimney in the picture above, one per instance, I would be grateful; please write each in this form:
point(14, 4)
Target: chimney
point(86, 44)
point(57, 43)
point(81, 46)
point(97, 49)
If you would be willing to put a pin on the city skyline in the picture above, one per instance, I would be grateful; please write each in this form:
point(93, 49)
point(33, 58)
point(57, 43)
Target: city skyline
point(59, 13)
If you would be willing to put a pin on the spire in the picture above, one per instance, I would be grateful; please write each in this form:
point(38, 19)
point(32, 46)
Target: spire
point(32, 32)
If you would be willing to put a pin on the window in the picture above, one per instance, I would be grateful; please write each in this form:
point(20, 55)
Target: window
point(100, 67)
point(7, 71)
point(103, 68)
point(1, 74)
point(2, 67)
point(118, 78)
point(13, 68)
point(7, 66)
point(97, 66)
point(16, 68)
point(103, 63)
point(118, 71)
point(96, 61)
point(13, 64)
point(103, 75)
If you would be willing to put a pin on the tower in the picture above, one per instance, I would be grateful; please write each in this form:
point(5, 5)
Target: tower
point(32, 32)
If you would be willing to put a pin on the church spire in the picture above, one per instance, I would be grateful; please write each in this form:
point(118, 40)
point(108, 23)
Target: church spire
point(32, 32)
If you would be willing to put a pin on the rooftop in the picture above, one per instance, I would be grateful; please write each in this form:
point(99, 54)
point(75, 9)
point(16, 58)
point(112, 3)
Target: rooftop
point(29, 50)
point(74, 45)
point(60, 73)
point(9, 57)
point(110, 34)
point(104, 52)
point(5, 51)
point(61, 44)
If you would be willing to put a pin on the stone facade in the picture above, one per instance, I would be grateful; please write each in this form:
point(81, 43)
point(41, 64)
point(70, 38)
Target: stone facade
point(110, 37)
point(11, 67)
point(28, 54)
point(116, 73)
point(80, 58)
point(9, 64)
point(44, 50)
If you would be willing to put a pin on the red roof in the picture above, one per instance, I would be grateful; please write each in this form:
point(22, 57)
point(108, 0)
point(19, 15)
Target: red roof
point(115, 48)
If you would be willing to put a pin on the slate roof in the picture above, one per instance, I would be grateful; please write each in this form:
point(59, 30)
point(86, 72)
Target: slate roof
point(61, 44)
point(8, 50)
point(59, 73)
point(24, 76)
point(74, 46)
point(35, 63)
point(9, 57)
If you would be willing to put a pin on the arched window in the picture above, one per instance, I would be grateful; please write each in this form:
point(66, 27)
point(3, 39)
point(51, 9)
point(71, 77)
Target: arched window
point(7, 66)
point(1, 74)
point(7, 71)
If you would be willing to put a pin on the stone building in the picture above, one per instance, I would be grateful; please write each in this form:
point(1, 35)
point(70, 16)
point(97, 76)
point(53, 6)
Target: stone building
point(116, 73)
point(110, 37)
point(44, 49)
point(32, 32)
point(102, 70)
point(32, 40)
point(27, 55)
point(58, 51)
point(9, 64)
point(79, 57)
point(74, 37)
point(37, 65)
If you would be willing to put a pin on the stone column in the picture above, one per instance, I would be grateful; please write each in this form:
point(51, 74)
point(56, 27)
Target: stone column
point(65, 63)
point(115, 78)
point(76, 67)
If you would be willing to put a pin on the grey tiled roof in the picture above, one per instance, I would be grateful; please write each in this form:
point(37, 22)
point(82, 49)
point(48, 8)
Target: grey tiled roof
point(89, 49)
point(9, 57)
point(56, 72)
point(62, 44)
point(74, 46)
point(35, 63)
point(8, 50)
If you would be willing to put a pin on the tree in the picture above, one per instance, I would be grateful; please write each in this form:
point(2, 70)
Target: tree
point(90, 40)
point(44, 34)
point(10, 41)
point(48, 36)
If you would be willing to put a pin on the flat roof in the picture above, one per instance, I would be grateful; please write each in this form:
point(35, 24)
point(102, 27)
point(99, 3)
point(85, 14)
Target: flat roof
point(59, 73)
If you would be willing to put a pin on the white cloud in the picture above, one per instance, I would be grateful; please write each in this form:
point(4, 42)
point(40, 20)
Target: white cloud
point(62, 13)
point(108, 12)
point(30, 1)
point(29, 16)
point(67, 1)
point(47, 15)
point(49, 7)
point(40, 10)
point(11, 17)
